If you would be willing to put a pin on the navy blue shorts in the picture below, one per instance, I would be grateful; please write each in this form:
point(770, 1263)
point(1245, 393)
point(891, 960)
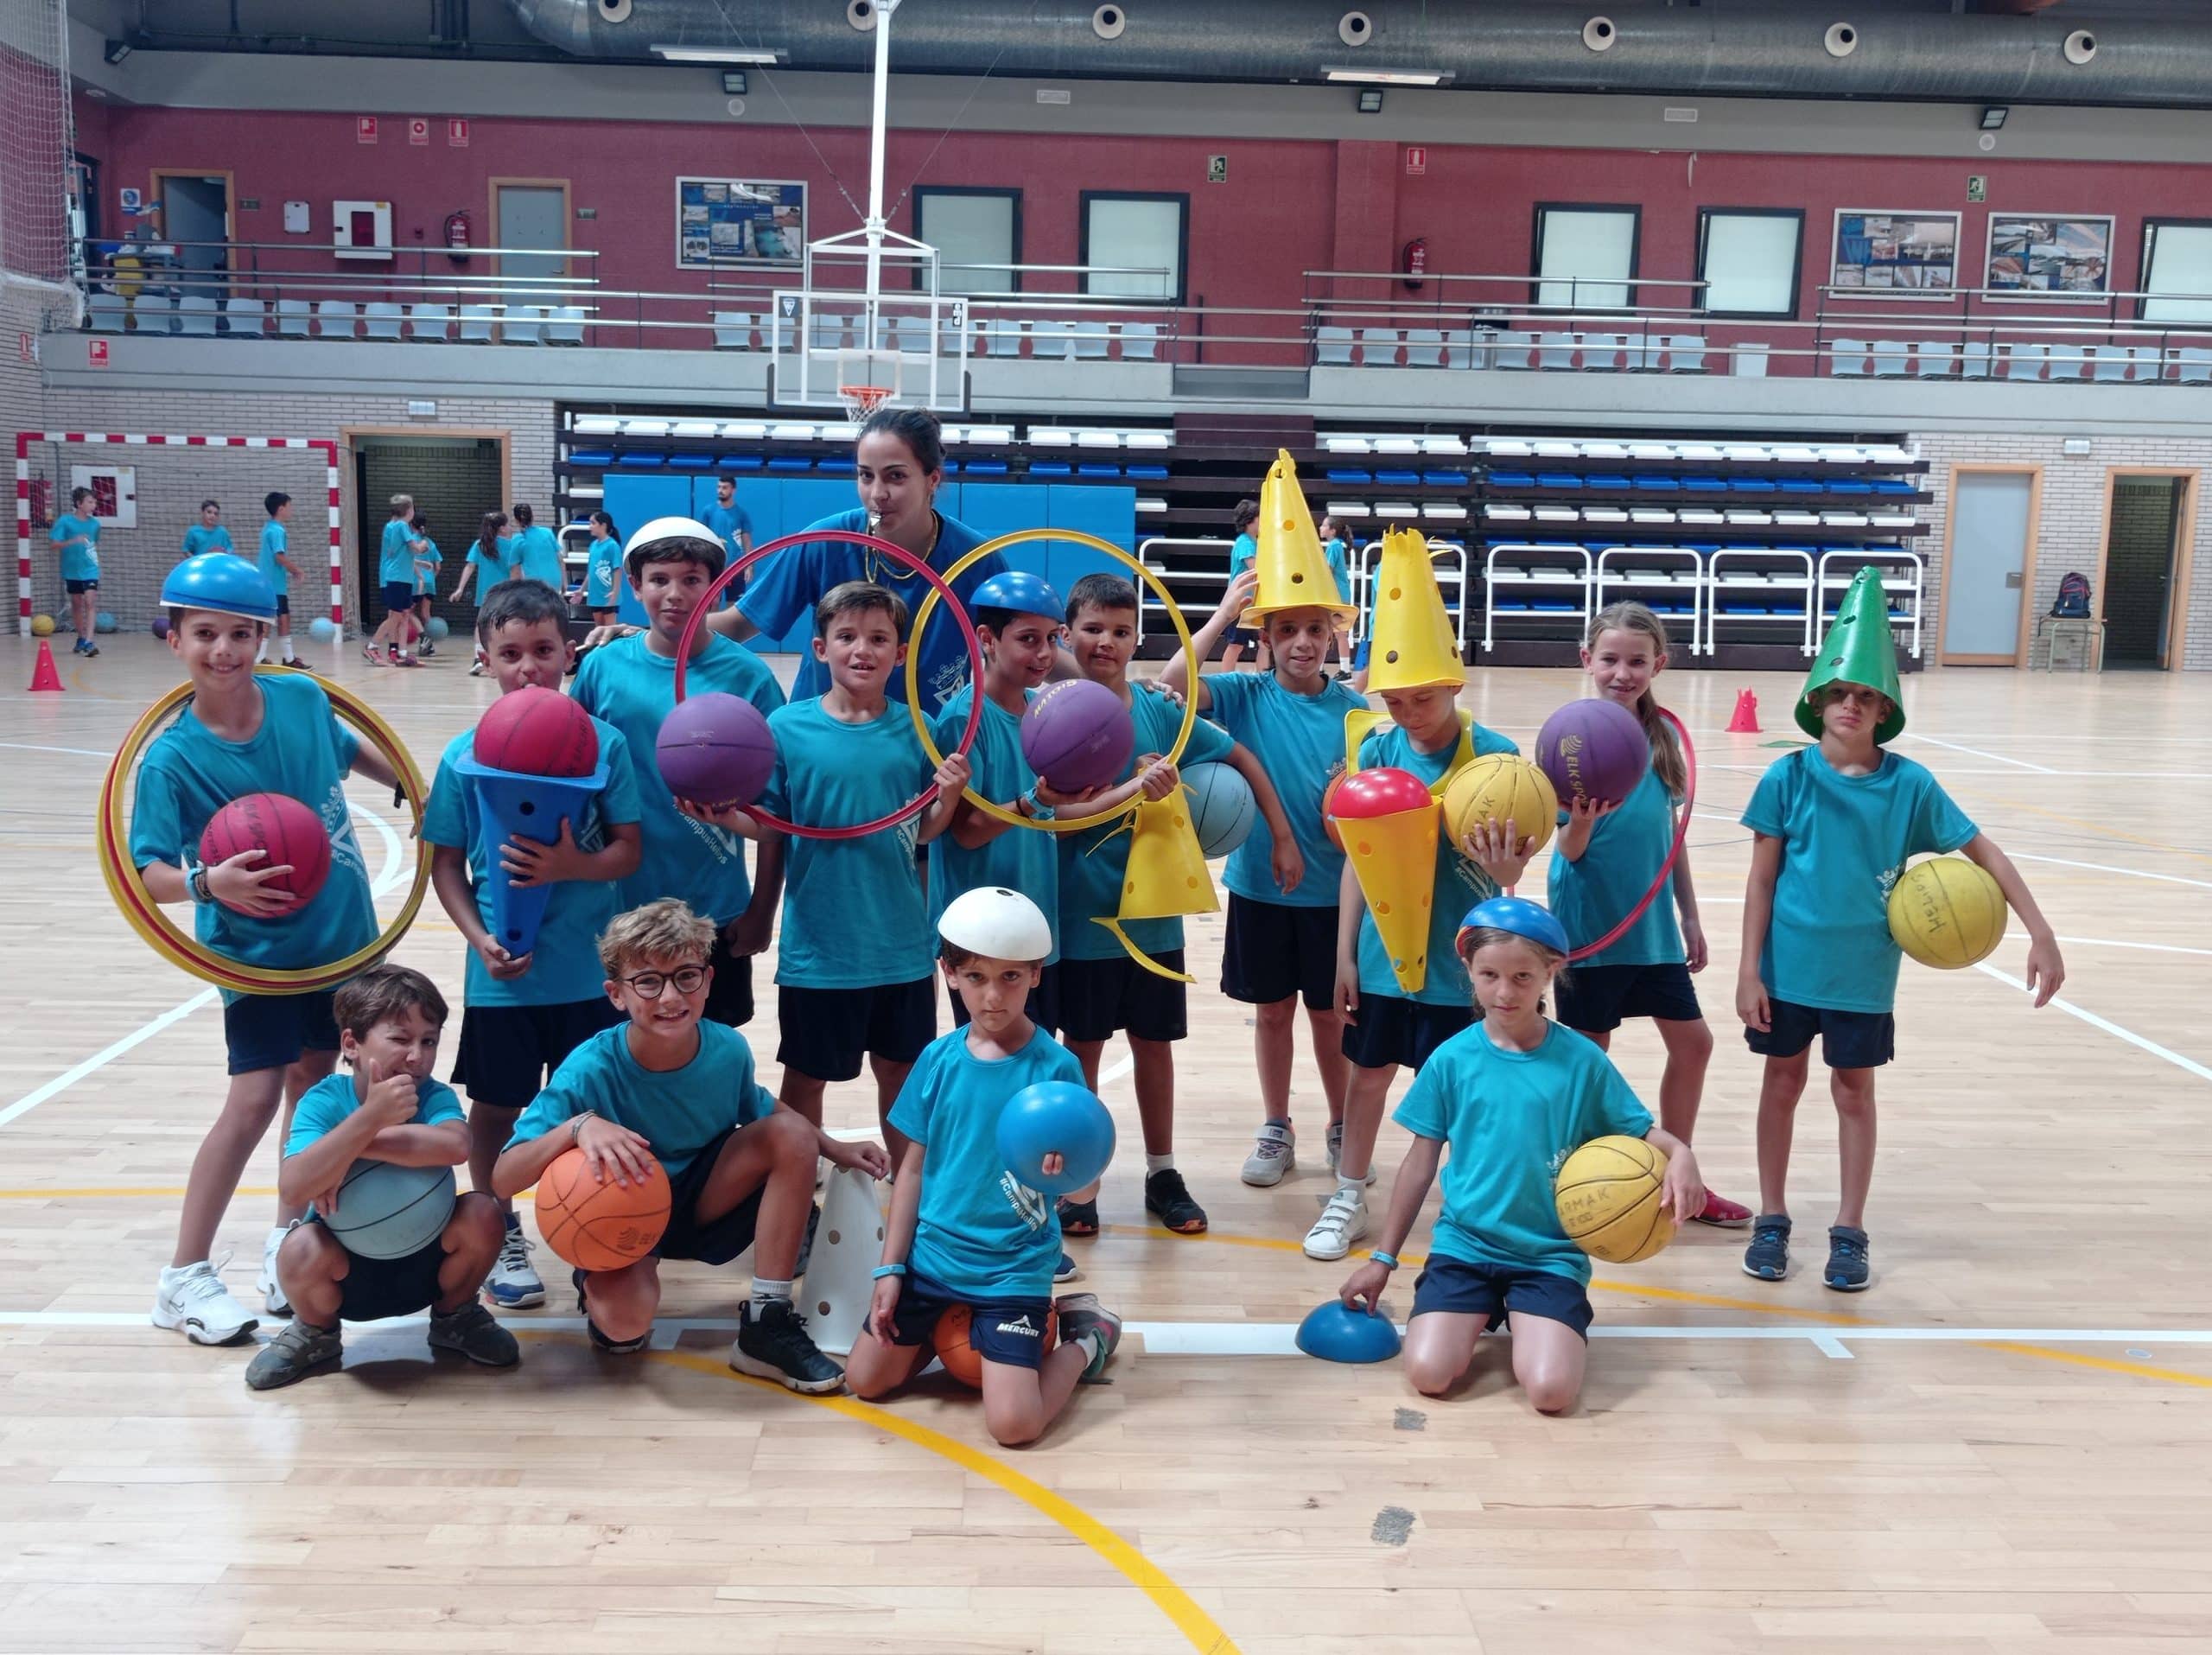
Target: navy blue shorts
point(1245, 637)
point(283, 603)
point(1274, 950)
point(270, 1031)
point(377, 1288)
point(1593, 999)
point(1100, 996)
point(1043, 1006)
point(1490, 1290)
point(826, 1031)
point(729, 997)
point(78, 588)
point(1849, 1040)
point(506, 1053)
point(398, 596)
point(1402, 1032)
point(709, 1241)
point(1011, 1331)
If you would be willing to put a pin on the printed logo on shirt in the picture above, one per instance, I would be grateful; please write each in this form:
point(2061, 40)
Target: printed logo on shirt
point(1021, 1327)
point(345, 849)
point(1887, 878)
point(1029, 1205)
point(947, 682)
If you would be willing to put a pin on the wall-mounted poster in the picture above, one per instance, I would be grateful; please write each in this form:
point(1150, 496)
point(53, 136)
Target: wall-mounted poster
point(722, 221)
point(2035, 252)
point(1895, 255)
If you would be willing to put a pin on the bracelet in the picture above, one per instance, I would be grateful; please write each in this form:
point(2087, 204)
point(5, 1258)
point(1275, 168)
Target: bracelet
point(1388, 1261)
point(882, 1270)
point(195, 879)
point(577, 1124)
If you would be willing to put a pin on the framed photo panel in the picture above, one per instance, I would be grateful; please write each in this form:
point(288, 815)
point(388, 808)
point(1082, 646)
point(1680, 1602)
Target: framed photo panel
point(1895, 255)
point(2060, 255)
point(722, 221)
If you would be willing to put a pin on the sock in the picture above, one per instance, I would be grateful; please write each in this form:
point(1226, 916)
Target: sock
point(1350, 1183)
point(288, 656)
point(1093, 1344)
point(1158, 1163)
point(766, 1292)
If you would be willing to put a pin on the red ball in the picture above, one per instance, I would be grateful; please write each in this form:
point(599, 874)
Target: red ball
point(715, 749)
point(1593, 749)
point(537, 732)
point(1384, 791)
point(1078, 735)
point(289, 833)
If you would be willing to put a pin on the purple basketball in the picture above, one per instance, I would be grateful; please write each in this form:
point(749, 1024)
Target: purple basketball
point(715, 749)
point(1078, 735)
point(1593, 749)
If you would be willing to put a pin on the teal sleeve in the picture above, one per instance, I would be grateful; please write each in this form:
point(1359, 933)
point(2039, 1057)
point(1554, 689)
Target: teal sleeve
point(1939, 825)
point(437, 1105)
point(620, 802)
point(1423, 1110)
point(156, 819)
point(445, 818)
point(1768, 810)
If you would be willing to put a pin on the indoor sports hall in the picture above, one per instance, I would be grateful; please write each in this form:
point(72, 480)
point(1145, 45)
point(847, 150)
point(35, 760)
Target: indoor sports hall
point(1859, 345)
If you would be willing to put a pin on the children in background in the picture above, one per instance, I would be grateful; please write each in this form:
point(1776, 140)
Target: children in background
point(427, 563)
point(1336, 546)
point(1102, 988)
point(244, 734)
point(962, 1230)
point(1282, 944)
point(672, 1085)
point(1605, 859)
point(603, 572)
point(1835, 825)
point(534, 554)
point(853, 981)
point(631, 684)
point(727, 518)
point(396, 573)
point(1241, 552)
point(392, 1110)
point(208, 534)
point(276, 566)
point(522, 1016)
point(77, 531)
point(485, 555)
point(1513, 1096)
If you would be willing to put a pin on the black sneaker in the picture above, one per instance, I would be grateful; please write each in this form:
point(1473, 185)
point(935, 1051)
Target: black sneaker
point(773, 1344)
point(1168, 1199)
point(1081, 1313)
point(472, 1332)
point(1768, 1257)
point(1077, 1217)
point(600, 1341)
point(1848, 1270)
point(1065, 1271)
point(298, 1350)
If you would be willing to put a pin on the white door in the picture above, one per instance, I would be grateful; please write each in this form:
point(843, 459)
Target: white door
point(532, 215)
point(1991, 524)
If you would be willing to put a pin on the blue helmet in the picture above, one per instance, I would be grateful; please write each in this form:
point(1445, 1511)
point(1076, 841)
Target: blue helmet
point(1520, 916)
point(1023, 593)
point(222, 582)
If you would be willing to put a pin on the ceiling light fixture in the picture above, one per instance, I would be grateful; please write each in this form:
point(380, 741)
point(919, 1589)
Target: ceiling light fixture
point(1389, 77)
point(1370, 100)
point(1993, 116)
point(769, 54)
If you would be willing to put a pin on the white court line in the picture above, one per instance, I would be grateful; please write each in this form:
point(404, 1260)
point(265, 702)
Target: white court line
point(1994, 757)
point(2106, 867)
point(2189, 1065)
point(1114, 1070)
point(395, 864)
point(81, 752)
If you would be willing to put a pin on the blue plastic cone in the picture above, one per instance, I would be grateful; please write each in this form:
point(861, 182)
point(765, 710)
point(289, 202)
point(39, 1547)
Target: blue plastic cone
point(518, 806)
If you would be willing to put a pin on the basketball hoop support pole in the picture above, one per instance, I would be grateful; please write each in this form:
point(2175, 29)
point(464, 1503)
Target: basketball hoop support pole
point(885, 10)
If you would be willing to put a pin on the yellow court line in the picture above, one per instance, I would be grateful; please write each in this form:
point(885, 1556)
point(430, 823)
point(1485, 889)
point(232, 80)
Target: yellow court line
point(2140, 1370)
point(2094, 827)
point(1194, 1623)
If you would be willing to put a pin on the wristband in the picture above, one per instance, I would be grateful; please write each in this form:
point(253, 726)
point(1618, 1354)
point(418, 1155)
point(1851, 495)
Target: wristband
point(576, 1125)
point(882, 1270)
point(1387, 1260)
point(196, 879)
point(1039, 810)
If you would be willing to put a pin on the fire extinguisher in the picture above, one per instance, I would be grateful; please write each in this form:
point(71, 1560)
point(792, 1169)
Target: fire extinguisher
point(457, 237)
point(1414, 262)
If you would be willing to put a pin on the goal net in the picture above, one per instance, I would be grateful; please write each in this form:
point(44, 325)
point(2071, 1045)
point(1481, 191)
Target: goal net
point(37, 143)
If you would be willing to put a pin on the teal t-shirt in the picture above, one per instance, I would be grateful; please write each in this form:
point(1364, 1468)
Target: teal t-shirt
point(1334, 550)
point(854, 916)
point(1457, 886)
point(1093, 862)
point(539, 553)
point(1300, 741)
point(679, 1112)
point(1511, 1119)
point(603, 575)
point(324, 1106)
point(396, 556)
point(628, 686)
point(979, 1231)
point(273, 541)
point(564, 966)
point(190, 772)
point(494, 562)
point(199, 539)
point(730, 522)
point(1845, 840)
point(426, 567)
point(1625, 853)
point(1242, 552)
point(77, 563)
point(1021, 859)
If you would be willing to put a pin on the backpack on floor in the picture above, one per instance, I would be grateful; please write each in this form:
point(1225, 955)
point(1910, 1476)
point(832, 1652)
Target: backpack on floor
point(2073, 597)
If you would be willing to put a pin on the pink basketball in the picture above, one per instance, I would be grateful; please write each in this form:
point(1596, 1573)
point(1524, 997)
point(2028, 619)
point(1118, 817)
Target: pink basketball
point(1593, 749)
point(715, 749)
point(1078, 735)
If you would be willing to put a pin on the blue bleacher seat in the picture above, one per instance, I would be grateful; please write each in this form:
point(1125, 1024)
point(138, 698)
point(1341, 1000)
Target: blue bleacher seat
point(1348, 475)
point(1148, 472)
point(1558, 480)
point(791, 462)
point(952, 468)
point(1545, 607)
point(1513, 479)
point(1705, 484)
point(987, 468)
point(1659, 485)
point(1850, 485)
point(1801, 486)
point(1398, 479)
point(836, 466)
point(1098, 471)
point(742, 463)
point(1445, 479)
point(1893, 486)
point(691, 461)
point(642, 460)
point(1050, 468)
point(591, 456)
point(1751, 486)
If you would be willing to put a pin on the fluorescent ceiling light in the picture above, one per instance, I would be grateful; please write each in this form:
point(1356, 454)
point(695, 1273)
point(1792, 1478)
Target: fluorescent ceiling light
point(718, 54)
point(1391, 77)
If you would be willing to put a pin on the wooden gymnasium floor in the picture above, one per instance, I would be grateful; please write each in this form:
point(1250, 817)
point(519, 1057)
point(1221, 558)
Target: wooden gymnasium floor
point(2003, 1447)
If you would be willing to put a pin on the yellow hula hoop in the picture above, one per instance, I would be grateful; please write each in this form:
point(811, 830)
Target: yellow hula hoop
point(187, 953)
point(1021, 537)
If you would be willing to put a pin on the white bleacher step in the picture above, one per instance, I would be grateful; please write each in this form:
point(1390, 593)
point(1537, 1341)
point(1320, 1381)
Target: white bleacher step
point(1699, 514)
point(990, 437)
point(586, 491)
point(790, 432)
point(1348, 445)
point(645, 428)
point(1148, 504)
point(744, 431)
point(1651, 451)
point(1442, 445)
point(1891, 519)
point(1704, 453)
point(1747, 453)
point(1443, 514)
point(1650, 514)
point(1888, 454)
point(1557, 449)
point(1799, 519)
point(1746, 515)
point(1505, 511)
point(1603, 515)
point(596, 425)
point(1397, 445)
point(1506, 447)
point(1098, 439)
point(1558, 514)
point(840, 432)
point(1150, 439)
point(1402, 510)
point(1797, 456)
point(1051, 437)
point(1844, 519)
point(1348, 508)
point(695, 427)
point(1604, 451)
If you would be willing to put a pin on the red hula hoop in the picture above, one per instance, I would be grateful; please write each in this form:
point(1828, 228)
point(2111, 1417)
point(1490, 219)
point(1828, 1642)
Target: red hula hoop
point(1673, 853)
point(920, 802)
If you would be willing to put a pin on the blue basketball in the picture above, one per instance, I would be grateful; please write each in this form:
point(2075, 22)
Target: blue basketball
point(1222, 809)
point(322, 628)
point(388, 1211)
point(1055, 1117)
point(437, 628)
point(1336, 1334)
point(103, 621)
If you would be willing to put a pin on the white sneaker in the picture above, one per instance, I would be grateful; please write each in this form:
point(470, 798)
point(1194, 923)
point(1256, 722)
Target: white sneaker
point(195, 1300)
point(513, 1284)
point(1342, 1222)
point(1273, 1156)
point(1336, 1151)
point(272, 1290)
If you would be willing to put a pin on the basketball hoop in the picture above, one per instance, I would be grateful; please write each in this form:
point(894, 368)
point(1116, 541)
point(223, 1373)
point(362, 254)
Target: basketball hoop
point(860, 401)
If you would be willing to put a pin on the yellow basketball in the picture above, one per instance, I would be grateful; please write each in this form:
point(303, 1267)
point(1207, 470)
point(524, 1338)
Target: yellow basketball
point(1608, 1199)
point(42, 626)
point(1503, 786)
point(1946, 913)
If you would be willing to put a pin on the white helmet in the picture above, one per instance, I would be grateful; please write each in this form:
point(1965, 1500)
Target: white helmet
point(674, 528)
point(997, 924)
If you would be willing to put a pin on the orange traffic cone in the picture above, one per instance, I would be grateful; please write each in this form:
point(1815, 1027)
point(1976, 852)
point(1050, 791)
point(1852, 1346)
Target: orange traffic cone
point(44, 675)
point(1747, 719)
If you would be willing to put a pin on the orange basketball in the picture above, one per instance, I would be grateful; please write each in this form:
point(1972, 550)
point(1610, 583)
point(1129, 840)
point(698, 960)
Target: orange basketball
point(599, 1226)
point(1328, 810)
point(950, 1338)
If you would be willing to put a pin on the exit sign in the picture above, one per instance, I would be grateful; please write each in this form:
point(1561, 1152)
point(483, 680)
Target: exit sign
point(1417, 160)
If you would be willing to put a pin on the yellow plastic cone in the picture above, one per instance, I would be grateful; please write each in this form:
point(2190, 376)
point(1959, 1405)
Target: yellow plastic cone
point(1166, 875)
point(1292, 568)
point(1389, 823)
point(1411, 643)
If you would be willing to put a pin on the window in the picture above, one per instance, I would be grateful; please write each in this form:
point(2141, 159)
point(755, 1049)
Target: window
point(1142, 239)
point(2178, 260)
point(1748, 258)
point(970, 228)
point(1585, 256)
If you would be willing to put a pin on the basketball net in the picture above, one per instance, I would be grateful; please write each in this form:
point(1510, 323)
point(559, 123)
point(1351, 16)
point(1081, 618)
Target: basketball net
point(860, 401)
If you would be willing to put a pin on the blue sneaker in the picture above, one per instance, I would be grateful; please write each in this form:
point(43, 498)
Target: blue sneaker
point(1065, 1271)
point(1768, 1257)
point(513, 1284)
point(1848, 1270)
